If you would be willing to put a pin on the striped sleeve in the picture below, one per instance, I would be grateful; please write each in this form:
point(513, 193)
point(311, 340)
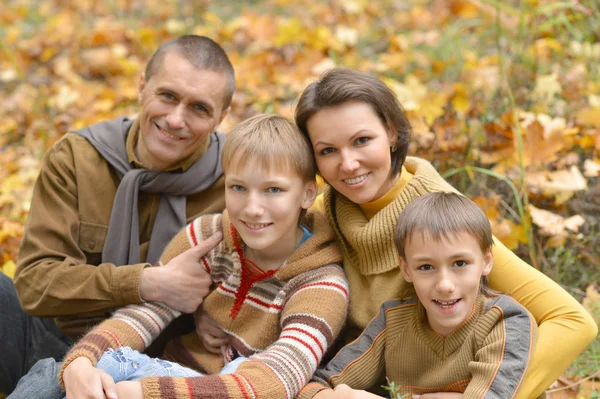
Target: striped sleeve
point(311, 319)
point(135, 326)
point(501, 361)
point(360, 363)
point(138, 325)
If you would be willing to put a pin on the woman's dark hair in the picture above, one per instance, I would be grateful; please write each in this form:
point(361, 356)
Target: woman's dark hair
point(339, 86)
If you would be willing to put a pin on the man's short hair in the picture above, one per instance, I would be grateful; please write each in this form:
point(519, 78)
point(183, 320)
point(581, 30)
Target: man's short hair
point(439, 215)
point(273, 142)
point(202, 53)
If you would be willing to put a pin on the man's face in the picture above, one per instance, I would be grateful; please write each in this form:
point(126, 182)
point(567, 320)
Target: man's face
point(181, 107)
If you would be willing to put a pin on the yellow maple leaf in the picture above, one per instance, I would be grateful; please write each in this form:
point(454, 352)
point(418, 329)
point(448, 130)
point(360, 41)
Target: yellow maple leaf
point(552, 224)
point(562, 184)
point(509, 233)
point(546, 87)
point(9, 268)
point(290, 30)
point(589, 116)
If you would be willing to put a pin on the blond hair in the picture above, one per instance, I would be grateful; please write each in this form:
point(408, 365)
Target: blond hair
point(439, 215)
point(271, 141)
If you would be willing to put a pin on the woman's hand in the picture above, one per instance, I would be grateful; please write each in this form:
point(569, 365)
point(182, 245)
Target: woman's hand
point(130, 390)
point(83, 380)
point(211, 334)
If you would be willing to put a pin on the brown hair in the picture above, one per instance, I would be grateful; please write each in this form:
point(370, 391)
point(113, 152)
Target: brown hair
point(339, 86)
point(274, 142)
point(439, 215)
point(202, 53)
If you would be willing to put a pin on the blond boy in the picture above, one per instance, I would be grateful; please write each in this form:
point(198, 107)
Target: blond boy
point(273, 272)
point(457, 338)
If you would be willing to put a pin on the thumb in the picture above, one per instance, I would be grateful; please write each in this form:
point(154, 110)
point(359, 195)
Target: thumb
point(211, 242)
point(109, 386)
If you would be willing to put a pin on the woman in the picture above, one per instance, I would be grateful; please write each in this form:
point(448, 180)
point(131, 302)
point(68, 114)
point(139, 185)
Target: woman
point(360, 135)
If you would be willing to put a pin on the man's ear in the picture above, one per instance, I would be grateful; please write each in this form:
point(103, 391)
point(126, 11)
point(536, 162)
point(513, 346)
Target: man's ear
point(224, 114)
point(310, 194)
point(405, 269)
point(488, 262)
point(141, 86)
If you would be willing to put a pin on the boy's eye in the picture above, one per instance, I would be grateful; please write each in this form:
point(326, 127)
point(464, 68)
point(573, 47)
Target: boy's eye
point(168, 96)
point(460, 263)
point(425, 267)
point(326, 151)
point(274, 190)
point(237, 187)
point(362, 140)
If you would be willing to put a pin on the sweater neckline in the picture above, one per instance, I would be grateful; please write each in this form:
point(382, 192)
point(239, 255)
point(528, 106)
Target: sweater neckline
point(368, 244)
point(371, 208)
point(445, 346)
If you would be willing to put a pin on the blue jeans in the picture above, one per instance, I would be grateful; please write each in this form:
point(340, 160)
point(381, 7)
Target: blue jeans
point(24, 339)
point(126, 364)
point(123, 364)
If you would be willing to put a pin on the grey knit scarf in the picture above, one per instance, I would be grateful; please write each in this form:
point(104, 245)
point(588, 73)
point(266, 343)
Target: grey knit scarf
point(122, 245)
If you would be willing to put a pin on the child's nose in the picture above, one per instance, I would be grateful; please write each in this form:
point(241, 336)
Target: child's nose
point(445, 284)
point(254, 207)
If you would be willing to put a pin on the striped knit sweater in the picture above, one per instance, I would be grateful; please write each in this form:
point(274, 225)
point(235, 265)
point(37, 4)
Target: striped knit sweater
point(284, 325)
point(486, 357)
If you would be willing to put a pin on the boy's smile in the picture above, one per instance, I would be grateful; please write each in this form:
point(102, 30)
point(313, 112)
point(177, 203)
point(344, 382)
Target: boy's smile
point(264, 206)
point(446, 274)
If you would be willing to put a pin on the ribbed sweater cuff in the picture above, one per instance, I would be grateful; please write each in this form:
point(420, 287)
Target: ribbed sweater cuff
point(311, 389)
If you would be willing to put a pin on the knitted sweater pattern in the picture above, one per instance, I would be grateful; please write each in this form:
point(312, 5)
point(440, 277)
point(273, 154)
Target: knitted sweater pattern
point(281, 325)
point(370, 256)
point(485, 357)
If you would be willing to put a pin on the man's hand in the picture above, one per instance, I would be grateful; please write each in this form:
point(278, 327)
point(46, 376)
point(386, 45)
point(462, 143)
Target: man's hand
point(211, 334)
point(130, 390)
point(182, 283)
point(83, 380)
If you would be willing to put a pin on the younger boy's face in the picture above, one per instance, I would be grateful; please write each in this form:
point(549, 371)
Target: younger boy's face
point(446, 276)
point(264, 206)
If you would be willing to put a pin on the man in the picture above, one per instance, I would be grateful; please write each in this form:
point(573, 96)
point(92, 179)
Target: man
point(109, 198)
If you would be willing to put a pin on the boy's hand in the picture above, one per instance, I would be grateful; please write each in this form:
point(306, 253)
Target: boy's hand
point(439, 395)
point(83, 380)
point(343, 391)
point(182, 283)
point(211, 334)
point(130, 390)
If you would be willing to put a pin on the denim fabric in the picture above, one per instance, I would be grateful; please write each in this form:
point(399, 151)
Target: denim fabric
point(233, 365)
point(24, 339)
point(40, 383)
point(126, 364)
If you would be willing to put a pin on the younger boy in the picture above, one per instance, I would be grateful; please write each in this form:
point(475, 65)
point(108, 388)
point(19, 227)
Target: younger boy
point(277, 290)
point(457, 335)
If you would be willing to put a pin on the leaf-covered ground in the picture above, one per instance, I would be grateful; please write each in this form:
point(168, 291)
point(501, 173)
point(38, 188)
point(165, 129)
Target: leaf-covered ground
point(504, 98)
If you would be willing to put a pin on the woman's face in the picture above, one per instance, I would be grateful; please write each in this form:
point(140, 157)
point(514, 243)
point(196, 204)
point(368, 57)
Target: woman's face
point(352, 149)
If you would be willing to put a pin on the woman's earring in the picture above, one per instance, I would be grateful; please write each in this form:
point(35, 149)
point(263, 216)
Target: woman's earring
point(393, 148)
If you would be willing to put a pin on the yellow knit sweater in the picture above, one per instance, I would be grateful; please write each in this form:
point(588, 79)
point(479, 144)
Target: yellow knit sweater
point(371, 265)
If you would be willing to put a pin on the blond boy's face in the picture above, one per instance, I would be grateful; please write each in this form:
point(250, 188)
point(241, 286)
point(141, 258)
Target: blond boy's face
point(446, 275)
point(264, 206)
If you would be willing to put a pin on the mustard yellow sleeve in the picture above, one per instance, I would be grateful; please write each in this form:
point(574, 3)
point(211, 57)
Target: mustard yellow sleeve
point(319, 204)
point(565, 327)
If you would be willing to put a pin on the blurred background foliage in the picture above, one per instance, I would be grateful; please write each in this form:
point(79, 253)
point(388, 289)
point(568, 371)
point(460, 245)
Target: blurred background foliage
point(503, 96)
